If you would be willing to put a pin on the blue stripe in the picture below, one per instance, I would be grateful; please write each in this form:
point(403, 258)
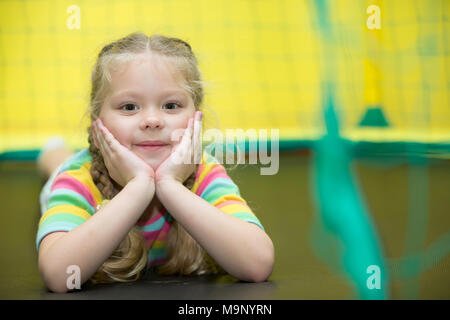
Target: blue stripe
point(220, 183)
point(56, 226)
point(157, 225)
point(248, 217)
point(77, 160)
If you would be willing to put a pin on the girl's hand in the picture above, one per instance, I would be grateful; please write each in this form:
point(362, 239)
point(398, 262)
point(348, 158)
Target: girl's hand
point(122, 164)
point(182, 161)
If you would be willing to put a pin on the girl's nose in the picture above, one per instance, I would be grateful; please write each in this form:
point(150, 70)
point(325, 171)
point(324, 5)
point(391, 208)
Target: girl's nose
point(152, 122)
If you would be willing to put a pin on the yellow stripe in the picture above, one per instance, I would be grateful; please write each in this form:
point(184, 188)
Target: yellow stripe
point(205, 171)
point(65, 208)
point(234, 207)
point(229, 197)
point(84, 176)
point(159, 244)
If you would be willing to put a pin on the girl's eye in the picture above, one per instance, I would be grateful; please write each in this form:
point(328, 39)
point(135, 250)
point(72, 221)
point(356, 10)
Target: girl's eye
point(129, 107)
point(171, 106)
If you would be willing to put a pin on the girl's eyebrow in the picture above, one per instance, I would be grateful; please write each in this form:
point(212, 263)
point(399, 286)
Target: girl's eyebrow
point(133, 93)
point(174, 92)
point(120, 94)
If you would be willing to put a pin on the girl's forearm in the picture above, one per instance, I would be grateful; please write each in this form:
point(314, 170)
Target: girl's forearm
point(90, 244)
point(240, 248)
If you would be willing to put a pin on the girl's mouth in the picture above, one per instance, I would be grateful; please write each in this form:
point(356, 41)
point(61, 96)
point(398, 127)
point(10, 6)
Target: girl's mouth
point(151, 145)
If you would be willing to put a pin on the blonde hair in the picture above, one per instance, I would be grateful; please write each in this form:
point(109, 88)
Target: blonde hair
point(128, 261)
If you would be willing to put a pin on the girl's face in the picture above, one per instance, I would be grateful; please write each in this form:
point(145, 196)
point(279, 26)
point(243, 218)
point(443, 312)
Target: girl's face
point(145, 104)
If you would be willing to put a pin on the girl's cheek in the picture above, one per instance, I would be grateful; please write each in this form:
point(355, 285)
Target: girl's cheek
point(118, 135)
point(185, 123)
point(176, 136)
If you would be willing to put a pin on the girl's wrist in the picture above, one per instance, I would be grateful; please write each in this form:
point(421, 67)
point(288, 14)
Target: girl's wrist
point(164, 186)
point(167, 191)
point(145, 185)
point(162, 183)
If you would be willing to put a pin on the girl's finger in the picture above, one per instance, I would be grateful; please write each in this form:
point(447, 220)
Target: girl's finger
point(197, 137)
point(111, 142)
point(103, 146)
point(185, 145)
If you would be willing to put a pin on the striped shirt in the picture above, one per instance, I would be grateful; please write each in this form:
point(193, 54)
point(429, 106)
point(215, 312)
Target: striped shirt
point(70, 197)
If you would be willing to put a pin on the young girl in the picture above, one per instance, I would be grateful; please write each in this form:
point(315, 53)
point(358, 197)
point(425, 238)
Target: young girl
point(137, 198)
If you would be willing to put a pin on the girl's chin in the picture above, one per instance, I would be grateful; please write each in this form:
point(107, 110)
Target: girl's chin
point(155, 160)
point(154, 163)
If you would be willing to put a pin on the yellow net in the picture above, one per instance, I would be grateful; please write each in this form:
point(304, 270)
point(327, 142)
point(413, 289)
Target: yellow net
point(262, 60)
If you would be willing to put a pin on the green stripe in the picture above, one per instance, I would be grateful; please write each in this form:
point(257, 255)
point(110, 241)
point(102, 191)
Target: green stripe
point(246, 216)
point(218, 188)
point(62, 217)
point(157, 253)
point(69, 197)
point(157, 225)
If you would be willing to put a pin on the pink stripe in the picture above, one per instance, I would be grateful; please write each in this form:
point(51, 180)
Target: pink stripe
point(66, 181)
point(150, 221)
point(166, 227)
point(228, 202)
point(162, 236)
point(155, 236)
point(201, 167)
point(150, 234)
point(215, 173)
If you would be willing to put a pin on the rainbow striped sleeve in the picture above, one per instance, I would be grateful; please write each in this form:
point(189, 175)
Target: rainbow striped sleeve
point(215, 186)
point(73, 198)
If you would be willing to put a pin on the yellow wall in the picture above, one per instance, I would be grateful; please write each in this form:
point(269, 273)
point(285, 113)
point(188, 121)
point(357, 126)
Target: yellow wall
point(263, 61)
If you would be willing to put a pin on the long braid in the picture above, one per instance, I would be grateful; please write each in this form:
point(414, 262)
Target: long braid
point(99, 171)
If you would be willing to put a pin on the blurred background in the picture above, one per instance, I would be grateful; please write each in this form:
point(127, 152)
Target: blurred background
point(358, 89)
